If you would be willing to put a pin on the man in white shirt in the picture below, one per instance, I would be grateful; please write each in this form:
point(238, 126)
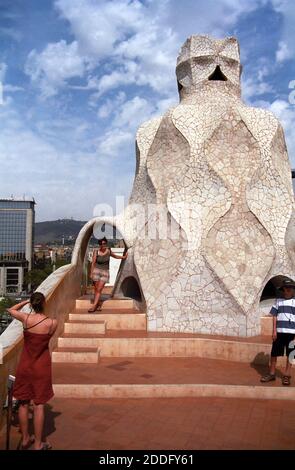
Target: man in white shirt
point(283, 331)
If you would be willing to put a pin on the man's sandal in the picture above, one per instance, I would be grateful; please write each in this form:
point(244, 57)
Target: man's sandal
point(286, 380)
point(268, 378)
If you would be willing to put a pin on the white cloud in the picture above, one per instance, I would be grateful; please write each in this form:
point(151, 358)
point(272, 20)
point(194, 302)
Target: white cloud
point(110, 105)
point(132, 36)
point(12, 88)
point(5, 87)
point(133, 112)
point(285, 112)
point(208, 16)
point(252, 87)
point(52, 164)
point(286, 45)
point(115, 142)
point(139, 40)
point(116, 78)
point(254, 82)
point(98, 25)
point(283, 53)
point(3, 68)
point(51, 68)
point(128, 116)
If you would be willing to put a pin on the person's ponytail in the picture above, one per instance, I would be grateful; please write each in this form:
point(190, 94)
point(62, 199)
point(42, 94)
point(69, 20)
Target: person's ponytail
point(37, 301)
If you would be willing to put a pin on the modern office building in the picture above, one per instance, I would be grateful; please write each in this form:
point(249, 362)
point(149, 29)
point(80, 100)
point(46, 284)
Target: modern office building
point(17, 219)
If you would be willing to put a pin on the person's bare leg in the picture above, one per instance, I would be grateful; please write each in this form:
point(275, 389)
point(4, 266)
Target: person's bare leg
point(97, 293)
point(288, 367)
point(38, 425)
point(273, 363)
point(23, 415)
point(98, 290)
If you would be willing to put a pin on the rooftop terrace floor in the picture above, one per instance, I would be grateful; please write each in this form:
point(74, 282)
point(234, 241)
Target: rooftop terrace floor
point(167, 423)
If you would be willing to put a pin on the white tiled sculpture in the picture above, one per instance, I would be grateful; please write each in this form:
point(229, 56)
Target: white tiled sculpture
point(219, 171)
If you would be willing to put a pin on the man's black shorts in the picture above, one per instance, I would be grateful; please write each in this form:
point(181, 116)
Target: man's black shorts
point(281, 343)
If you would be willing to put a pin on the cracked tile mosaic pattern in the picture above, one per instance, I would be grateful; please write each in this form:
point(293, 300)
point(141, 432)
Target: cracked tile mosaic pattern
point(219, 172)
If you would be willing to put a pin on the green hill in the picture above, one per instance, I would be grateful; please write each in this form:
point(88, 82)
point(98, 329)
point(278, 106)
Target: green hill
point(56, 230)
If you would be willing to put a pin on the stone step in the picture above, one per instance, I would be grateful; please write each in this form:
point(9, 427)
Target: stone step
point(68, 355)
point(143, 344)
point(92, 327)
point(266, 325)
point(167, 377)
point(126, 319)
point(85, 302)
point(91, 391)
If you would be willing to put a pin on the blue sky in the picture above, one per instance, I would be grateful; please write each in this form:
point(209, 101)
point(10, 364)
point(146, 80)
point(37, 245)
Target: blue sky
point(79, 76)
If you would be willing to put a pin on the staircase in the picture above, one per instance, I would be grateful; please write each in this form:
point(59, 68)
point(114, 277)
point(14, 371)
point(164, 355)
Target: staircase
point(112, 355)
point(83, 332)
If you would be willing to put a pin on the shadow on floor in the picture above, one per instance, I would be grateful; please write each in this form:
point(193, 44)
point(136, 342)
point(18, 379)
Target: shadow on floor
point(261, 364)
point(49, 424)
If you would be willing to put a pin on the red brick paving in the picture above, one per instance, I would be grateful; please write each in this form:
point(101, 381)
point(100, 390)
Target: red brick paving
point(173, 423)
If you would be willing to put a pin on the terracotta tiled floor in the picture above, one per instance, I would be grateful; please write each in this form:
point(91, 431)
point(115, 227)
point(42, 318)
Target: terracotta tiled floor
point(187, 423)
point(163, 370)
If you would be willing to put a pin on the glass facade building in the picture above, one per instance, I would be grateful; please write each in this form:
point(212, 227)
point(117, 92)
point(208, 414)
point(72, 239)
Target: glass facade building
point(17, 218)
point(13, 235)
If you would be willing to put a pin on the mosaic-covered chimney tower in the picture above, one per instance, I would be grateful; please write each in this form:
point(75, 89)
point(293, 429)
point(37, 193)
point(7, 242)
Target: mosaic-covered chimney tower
point(217, 171)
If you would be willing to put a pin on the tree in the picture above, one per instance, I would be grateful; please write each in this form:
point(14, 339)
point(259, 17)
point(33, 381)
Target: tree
point(5, 318)
point(5, 303)
point(36, 276)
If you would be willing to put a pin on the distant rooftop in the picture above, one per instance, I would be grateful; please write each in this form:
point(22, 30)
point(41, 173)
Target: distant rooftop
point(17, 199)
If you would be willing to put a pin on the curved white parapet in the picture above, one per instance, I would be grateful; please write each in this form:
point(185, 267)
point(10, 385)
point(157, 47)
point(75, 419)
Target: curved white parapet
point(12, 333)
point(15, 330)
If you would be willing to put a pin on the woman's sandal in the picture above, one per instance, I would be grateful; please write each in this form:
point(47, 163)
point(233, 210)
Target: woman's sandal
point(92, 310)
point(45, 446)
point(28, 444)
point(286, 380)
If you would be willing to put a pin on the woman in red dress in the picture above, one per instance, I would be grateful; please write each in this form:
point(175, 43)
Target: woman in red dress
point(33, 375)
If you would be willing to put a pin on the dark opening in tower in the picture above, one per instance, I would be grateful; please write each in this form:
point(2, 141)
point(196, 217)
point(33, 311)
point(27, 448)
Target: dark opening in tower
point(217, 75)
point(130, 288)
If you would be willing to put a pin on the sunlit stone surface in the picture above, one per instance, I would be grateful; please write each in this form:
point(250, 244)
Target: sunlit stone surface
point(219, 172)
